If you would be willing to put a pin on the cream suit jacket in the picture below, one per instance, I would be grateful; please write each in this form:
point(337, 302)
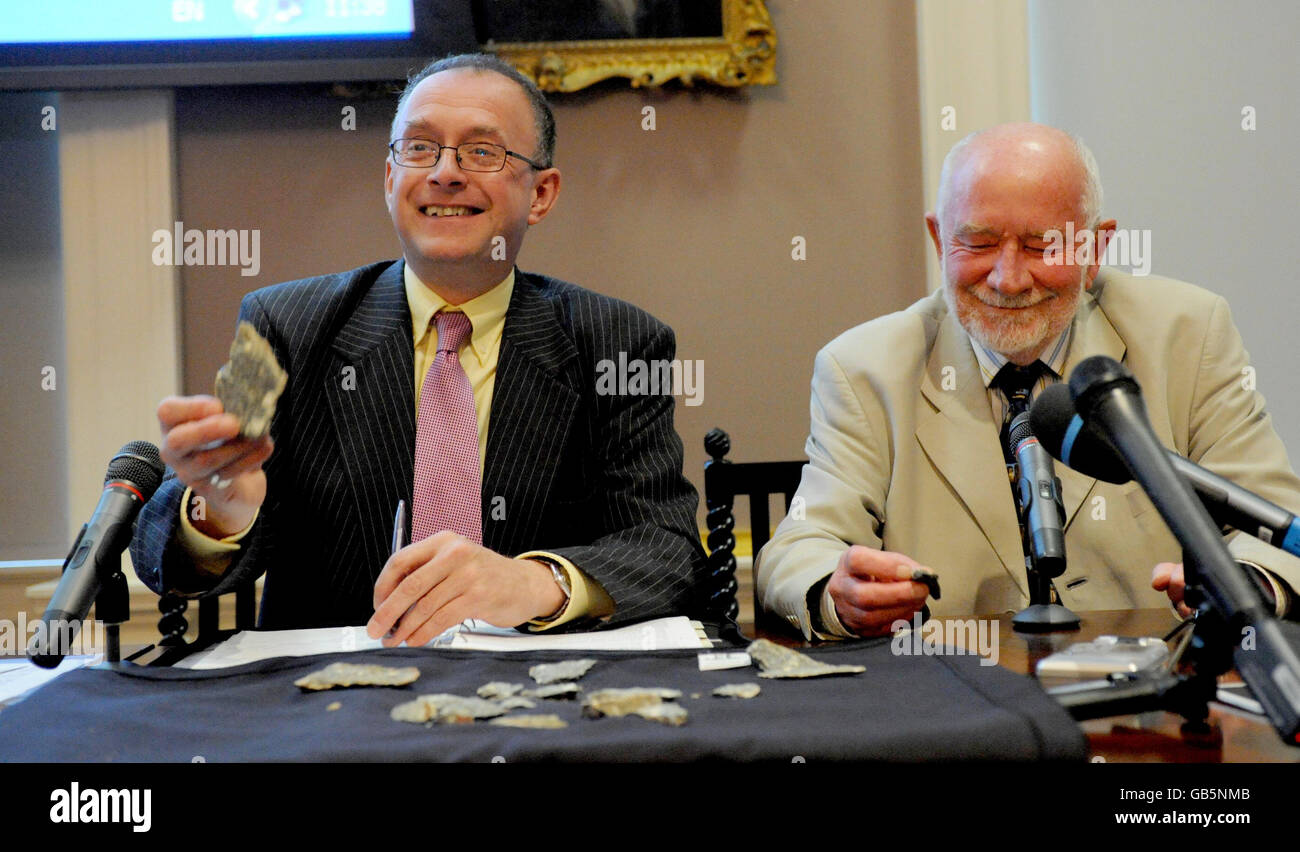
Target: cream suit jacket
point(903, 455)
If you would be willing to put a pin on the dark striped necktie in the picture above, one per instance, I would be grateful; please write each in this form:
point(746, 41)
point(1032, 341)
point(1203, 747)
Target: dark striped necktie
point(1016, 384)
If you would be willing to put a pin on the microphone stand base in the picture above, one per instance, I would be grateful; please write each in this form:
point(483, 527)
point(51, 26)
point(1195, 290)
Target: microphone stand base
point(1044, 618)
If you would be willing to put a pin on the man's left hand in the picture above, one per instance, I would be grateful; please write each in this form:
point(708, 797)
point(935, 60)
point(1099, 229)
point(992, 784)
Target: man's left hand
point(1168, 577)
point(435, 584)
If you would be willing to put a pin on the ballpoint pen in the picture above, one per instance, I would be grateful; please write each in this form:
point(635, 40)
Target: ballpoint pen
point(399, 526)
point(399, 536)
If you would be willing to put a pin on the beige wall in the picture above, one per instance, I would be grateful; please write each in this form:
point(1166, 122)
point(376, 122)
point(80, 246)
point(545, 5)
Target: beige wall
point(692, 221)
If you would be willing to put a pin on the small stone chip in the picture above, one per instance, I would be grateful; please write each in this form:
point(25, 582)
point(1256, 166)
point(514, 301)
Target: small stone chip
point(737, 690)
point(443, 708)
point(333, 705)
point(647, 702)
point(499, 689)
point(780, 662)
point(516, 702)
point(559, 691)
point(342, 675)
point(250, 383)
point(667, 713)
point(929, 579)
point(534, 720)
point(545, 673)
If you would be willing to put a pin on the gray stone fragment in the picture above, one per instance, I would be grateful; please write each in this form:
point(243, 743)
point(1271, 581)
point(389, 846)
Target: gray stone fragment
point(553, 690)
point(445, 708)
point(564, 670)
point(666, 713)
point(533, 720)
point(737, 690)
point(499, 689)
point(342, 675)
point(647, 702)
point(777, 661)
point(250, 383)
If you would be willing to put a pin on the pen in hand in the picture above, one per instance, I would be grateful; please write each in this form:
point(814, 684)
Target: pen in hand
point(399, 539)
point(399, 527)
point(399, 536)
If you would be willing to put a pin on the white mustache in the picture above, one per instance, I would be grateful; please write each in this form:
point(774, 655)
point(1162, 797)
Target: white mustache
point(997, 300)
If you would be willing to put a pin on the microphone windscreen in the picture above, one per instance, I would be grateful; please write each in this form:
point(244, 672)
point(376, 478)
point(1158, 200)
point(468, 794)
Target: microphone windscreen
point(139, 463)
point(1021, 428)
point(1093, 377)
point(1063, 433)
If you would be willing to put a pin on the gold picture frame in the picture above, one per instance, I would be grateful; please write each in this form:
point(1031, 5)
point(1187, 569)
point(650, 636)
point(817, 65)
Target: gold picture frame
point(745, 55)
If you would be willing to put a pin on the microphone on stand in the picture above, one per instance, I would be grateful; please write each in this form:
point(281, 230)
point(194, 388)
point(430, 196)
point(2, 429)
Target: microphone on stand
point(1082, 447)
point(1042, 514)
point(1106, 395)
point(134, 474)
point(1039, 492)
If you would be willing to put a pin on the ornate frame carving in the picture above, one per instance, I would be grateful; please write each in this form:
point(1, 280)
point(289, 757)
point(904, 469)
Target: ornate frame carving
point(745, 55)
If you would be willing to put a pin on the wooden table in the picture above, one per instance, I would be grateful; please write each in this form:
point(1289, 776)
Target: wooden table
point(1235, 737)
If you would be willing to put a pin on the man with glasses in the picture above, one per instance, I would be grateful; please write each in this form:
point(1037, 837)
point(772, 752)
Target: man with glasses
point(455, 383)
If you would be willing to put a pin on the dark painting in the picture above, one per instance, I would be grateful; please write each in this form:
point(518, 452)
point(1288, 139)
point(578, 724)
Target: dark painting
point(588, 20)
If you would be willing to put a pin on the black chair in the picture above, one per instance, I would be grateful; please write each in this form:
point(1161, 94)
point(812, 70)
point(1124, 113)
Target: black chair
point(723, 481)
point(174, 625)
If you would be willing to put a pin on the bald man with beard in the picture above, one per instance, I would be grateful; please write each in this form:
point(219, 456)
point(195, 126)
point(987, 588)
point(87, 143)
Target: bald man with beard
point(905, 465)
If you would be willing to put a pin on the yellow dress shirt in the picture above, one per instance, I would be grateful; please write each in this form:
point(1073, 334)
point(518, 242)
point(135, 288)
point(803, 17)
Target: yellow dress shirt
point(487, 316)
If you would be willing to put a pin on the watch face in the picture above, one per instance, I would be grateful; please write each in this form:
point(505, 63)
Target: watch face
point(562, 578)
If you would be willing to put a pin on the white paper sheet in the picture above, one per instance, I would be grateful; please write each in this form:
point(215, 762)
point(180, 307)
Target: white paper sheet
point(18, 677)
point(253, 645)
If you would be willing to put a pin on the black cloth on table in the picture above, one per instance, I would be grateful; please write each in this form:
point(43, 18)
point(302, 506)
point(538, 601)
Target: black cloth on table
point(902, 708)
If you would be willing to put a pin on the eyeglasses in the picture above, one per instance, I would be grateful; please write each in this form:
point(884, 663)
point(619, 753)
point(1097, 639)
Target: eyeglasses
point(470, 156)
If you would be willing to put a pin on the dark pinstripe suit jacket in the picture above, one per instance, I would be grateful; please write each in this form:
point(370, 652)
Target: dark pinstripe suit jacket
point(597, 479)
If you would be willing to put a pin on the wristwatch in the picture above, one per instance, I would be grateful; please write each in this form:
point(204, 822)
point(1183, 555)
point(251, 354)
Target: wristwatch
point(562, 580)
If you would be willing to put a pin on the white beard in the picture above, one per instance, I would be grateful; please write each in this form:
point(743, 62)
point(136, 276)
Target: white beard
point(1024, 332)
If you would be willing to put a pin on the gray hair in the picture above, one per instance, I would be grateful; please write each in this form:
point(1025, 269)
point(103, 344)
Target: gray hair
point(1089, 202)
point(543, 118)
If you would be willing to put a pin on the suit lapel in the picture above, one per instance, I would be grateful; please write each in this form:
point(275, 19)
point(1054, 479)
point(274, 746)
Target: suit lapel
point(961, 440)
point(1093, 335)
point(373, 407)
point(535, 401)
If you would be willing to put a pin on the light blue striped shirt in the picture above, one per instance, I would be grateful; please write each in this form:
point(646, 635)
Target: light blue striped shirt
point(991, 362)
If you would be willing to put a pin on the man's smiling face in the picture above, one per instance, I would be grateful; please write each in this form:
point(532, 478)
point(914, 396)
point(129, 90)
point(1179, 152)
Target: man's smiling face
point(447, 218)
point(1004, 198)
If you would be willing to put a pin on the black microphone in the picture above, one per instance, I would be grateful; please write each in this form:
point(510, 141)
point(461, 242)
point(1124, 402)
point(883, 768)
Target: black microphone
point(1083, 448)
point(134, 474)
point(1064, 434)
point(1039, 492)
point(1106, 394)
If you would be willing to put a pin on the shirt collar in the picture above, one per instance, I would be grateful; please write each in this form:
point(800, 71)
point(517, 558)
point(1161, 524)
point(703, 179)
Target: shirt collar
point(1053, 356)
point(486, 312)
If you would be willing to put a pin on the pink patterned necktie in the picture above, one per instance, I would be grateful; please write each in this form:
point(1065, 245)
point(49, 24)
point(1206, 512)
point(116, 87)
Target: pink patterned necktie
point(447, 479)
